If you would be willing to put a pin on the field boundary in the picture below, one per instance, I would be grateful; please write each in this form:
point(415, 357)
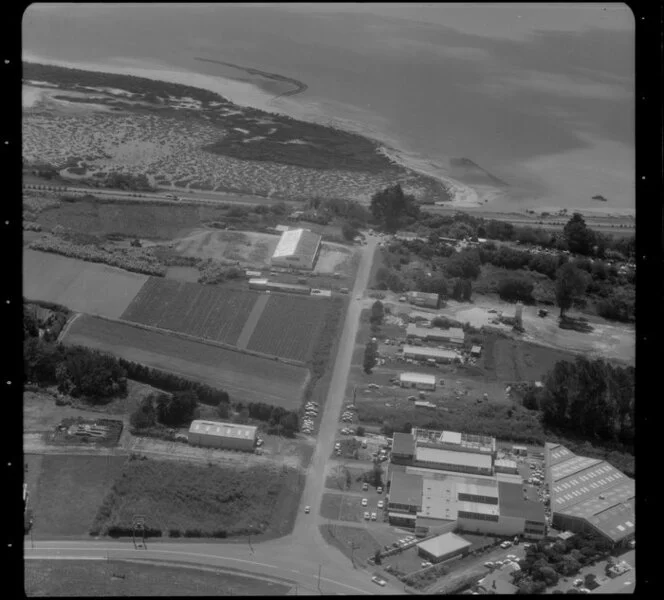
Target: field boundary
point(208, 342)
point(252, 321)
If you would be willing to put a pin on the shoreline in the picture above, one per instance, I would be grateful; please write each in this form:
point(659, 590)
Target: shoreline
point(463, 196)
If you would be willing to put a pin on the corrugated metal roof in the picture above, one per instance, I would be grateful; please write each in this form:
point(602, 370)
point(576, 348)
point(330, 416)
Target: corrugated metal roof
point(453, 333)
point(465, 459)
point(216, 428)
point(444, 544)
point(450, 437)
point(429, 352)
point(301, 242)
point(417, 378)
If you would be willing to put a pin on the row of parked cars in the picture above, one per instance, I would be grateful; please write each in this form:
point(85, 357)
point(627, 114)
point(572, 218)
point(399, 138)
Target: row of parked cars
point(310, 413)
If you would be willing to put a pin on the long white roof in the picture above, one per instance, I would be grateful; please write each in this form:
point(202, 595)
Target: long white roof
point(223, 429)
point(288, 243)
point(418, 378)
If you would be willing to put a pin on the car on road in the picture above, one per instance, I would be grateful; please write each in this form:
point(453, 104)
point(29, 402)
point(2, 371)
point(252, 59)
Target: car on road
point(380, 504)
point(364, 501)
point(506, 544)
point(379, 580)
point(379, 490)
point(365, 486)
point(367, 516)
point(426, 564)
point(307, 510)
point(373, 516)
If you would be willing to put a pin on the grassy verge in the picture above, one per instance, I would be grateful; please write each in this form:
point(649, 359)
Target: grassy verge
point(120, 578)
point(356, 543)
point(183, 500)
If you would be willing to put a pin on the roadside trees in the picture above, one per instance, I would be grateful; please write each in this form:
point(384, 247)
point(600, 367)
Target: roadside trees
point(570, 284)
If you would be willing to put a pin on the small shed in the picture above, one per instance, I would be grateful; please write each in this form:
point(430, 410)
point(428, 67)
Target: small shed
point(476, 350)
point(443, 547)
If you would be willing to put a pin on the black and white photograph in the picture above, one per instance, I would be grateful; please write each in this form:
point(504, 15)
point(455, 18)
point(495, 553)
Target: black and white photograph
point(328, 298)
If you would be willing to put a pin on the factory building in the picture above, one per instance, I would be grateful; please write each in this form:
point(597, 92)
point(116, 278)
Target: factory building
point(453, 335)
point(273, 286)
point(423, 299)
point(297, 249)
point(434, 354)
point(443, 547)
point(222, 435)
point(588, 494)
point(420, 381)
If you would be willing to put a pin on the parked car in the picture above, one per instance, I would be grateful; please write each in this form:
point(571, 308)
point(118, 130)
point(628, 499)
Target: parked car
point(364, 501)
point(505, 544)
point(379, 580)
point(373, 516)
point(379, 490)
point(426, 564)
point(367, 516)
point(489, 565)
point(380, 504)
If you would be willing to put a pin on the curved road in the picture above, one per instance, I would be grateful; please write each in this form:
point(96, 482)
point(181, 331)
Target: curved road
point(301, 556)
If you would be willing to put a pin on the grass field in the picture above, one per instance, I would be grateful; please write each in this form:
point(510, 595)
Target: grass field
point(289, 326)
point(68, 491)
point(209, 312)
point(93, 578)
point(246, 378)
point(204, 499)
point(340, 507)
point(82, 286)
point(347, 538)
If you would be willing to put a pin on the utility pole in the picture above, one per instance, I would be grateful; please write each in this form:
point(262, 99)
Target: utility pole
point(319, 568)
point(249, 538)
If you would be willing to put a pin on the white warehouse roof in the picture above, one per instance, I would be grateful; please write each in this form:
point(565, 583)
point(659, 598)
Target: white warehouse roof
point(296, 241)
point(418, 378)
point(465, 459)
point(444, 544)
point(216, 428)
point(429, 352)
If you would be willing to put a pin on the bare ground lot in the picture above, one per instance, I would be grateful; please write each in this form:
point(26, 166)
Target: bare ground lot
point(82, 286)
point(246, 378)
point(122, 578)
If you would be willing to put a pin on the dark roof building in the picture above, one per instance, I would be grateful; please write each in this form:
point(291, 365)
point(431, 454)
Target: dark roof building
point(589, 494)
point(403, 444)
point(511, 503)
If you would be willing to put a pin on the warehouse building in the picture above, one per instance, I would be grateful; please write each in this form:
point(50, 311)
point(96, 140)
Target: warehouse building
point(443, 547)
point(453, 335)
point(505, 465)
point(589, 494)
point(297, 249)
point(420, 381)
point(424, 353)
point(423, 299)
point(222, 435)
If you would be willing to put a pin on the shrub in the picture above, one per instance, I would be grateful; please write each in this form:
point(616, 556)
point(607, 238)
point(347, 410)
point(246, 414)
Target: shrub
point(515, 289)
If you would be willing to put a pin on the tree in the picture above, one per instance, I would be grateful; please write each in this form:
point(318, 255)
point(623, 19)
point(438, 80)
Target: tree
point(390, 205)
point(370, 357)
point(145, 414)
point(223, 411)
point(516, 288)
point(30, 323)
point(377, 312)
point(359, 431)
point(377, 474)
point(348, 231)
point(570, 284)
point(377, 558)
point(579, 237)
point(178, 409)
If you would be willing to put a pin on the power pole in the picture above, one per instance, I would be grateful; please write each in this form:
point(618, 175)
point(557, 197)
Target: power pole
point(319, 568)
point(249, 538)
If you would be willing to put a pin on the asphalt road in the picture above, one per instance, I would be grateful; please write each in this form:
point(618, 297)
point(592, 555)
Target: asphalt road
point(303, 556)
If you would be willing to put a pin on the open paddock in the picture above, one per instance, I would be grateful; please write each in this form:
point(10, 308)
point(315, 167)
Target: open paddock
point(245, 377)
point(210, 312)
point(81, 286)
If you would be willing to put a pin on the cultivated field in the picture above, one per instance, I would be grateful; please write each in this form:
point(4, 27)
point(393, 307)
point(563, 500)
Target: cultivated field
point(199, 501)
point(81, 286)
point(246, 378)
point(69, 490)
point(209, 312)
point(100, 578)
point(289, 326)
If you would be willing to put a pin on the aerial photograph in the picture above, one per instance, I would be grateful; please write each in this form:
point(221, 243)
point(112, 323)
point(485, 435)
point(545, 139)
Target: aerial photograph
point(328, 298)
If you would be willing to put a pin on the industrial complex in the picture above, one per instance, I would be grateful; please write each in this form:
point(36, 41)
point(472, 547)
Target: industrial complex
point(297, 249)
point(443, 478)
point(588, 494)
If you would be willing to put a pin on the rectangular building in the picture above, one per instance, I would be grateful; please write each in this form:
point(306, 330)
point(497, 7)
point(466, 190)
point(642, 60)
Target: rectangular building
point(443, 547)
point(424, 353)
point(297, 249)
point(222, 435)
point(453, 335)
point(451, 460)
point(420, 381)
point(424, 299)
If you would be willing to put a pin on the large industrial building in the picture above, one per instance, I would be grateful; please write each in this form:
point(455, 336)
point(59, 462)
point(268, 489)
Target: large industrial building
point(453, 335)
point(425, 353)
point(420, 381)
point(588, 494)
point(297, 249)
point(443, 478)
point(222, 435)
point(424, 299)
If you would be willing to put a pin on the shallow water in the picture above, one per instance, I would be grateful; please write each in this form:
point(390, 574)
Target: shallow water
point(541, 98)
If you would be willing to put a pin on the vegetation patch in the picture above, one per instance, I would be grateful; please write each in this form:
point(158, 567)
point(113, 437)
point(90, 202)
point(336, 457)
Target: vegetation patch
point(196, 501)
